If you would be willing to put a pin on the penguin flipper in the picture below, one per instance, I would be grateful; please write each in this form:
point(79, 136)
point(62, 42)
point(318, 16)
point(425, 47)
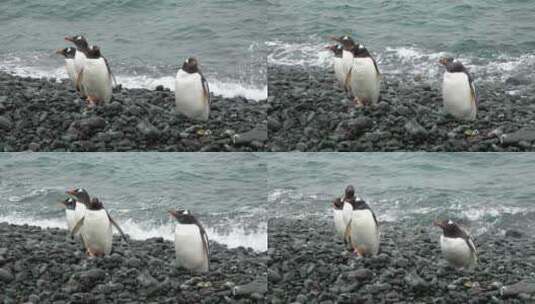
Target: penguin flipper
point(77, 227)
point(475, 100)
point(117, 226)
point(109, 71)
point(206, 90)
point(378, 74)
point(347, 82)
point(79, 80)
point(472, 247)
point(347, 233)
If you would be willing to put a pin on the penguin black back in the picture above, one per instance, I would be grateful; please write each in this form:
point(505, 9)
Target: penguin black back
point(95, 204)
point(190, 66)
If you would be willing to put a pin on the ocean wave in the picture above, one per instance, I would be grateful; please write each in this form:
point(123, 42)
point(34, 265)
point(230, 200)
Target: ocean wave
point(232, 236)
point(405, 60)
point(225, 88)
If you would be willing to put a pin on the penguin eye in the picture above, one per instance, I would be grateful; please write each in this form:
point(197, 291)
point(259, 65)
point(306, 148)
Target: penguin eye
point(78, 37)
point(450, 222)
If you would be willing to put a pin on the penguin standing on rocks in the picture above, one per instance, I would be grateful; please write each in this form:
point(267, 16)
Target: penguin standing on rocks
point(457, 246)
point(96, 229)
point(458, 90)
point(342, 214)
point(364, 229)
point(192, 94)
point(79, 57)
point(96, 78)
point(70, 213)
point(338, 64)
point(81, 200)
point(347, 58)
point(365, 77)
point(338, 216)
point(191, 242)
point(69, 53)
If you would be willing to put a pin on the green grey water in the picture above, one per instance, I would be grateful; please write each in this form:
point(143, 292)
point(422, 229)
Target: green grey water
point(226, 191)
point(145, 41)
point(484, 190)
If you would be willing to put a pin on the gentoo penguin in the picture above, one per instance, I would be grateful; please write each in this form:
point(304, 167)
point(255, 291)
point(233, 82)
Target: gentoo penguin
point(79, 57)
point(458, 90)
point(69, 53)
point(96, 77)
point(192, 95)
point(191, 242)
point(347, 58)
point(457, 246)
point(338, 216)
point(96, 229)
point(338, 64)
point(81, 200)
point(70, 206)
point(365, 77)
point(364, 229)
point(346, 204)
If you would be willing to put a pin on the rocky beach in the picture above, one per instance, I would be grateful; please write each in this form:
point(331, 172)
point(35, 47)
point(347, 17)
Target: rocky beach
point(46, 266)
point(307, 264)
point(307, 112)
point(47, 115)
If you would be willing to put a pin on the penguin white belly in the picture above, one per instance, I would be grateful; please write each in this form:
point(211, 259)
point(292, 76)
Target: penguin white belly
point(79, 61)
point(79, 212)
point(97, 232)
point(339, 222)
point(456, 251)
point(71, 219)
point(96, 80)
point(457, 96)
point(347, 210)
point(365, 83)
point(347, 59)
point(364, 232)
point(189, 248)
point(71, 69)
point(189, 96)
point(339, 73)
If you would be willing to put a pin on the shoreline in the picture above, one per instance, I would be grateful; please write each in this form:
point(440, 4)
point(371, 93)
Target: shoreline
point(45, 115)
point(307, 112)
point(45, 265)
point(309, 265)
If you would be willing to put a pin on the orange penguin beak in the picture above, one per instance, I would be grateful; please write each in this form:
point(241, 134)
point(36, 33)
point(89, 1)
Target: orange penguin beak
point(443, 61)
point(438, 223)
point(172, 212)
point(67, 38)
point(59, 51)
point(335, 38)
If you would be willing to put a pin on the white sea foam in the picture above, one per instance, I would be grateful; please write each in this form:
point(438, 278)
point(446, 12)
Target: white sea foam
point(406, 60)
point(226, 88)
point(233, 236)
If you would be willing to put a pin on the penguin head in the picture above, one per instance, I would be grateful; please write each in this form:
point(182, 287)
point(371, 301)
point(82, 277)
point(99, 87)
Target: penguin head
point(360, 51)
point(183, 216)
point(449, 228)
point(337, 49)
point(67, 52)
point(338, 204)
point(445, 60)
point(80, 195)
point(346, 41)
point(349, 193)
point(95, 204)
point(93, 52)
point(190, 65)
point(79, 41)
point(69, 203)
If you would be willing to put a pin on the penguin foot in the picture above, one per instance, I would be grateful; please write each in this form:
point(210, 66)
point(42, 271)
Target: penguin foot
point(358, 103)
point(356, 252)
point(92, 101)
point(90, 253)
